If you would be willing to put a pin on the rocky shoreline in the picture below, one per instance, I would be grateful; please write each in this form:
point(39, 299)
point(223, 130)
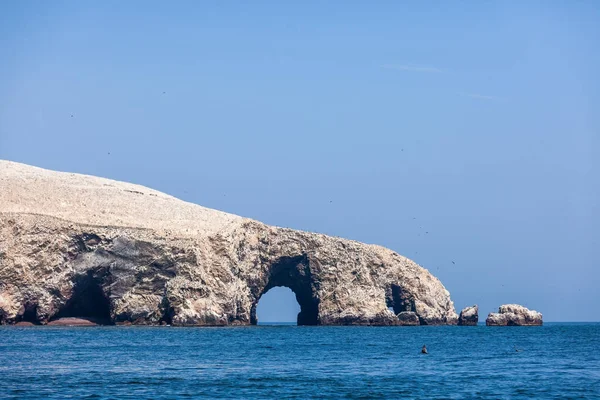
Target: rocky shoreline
point(80, 250)
point(508, 315)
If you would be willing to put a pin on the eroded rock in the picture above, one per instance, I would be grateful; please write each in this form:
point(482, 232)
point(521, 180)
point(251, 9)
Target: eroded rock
point(408, 318)
point(514, 315)
point(469, 316)
point(76, 246)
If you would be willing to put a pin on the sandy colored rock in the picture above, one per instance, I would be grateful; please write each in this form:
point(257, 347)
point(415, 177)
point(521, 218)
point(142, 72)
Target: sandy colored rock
point(25, 323)
point(80, 246)
point(514, 315)
point(469, 316)
point(69, 321)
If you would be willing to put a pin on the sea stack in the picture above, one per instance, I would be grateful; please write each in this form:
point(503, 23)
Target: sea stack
point(469, 316)
point(77, 246)
point(514, 315)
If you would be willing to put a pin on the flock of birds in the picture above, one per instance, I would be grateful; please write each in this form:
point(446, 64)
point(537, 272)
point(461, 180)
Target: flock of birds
point(330, 201)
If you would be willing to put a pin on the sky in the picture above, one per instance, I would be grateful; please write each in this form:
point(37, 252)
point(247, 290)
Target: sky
point(465, 132)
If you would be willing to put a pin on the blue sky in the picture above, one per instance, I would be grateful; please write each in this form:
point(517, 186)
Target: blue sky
point(464, 132)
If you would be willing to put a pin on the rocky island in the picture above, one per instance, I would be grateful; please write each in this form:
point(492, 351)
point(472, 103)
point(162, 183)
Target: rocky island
point(514, 315)
point(469, 316)
point(76, 247)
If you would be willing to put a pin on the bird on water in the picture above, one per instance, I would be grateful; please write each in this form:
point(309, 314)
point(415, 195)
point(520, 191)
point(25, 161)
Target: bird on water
point(424, 350)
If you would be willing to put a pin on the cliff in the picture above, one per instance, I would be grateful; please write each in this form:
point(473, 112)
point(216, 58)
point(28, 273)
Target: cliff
point(80, 246)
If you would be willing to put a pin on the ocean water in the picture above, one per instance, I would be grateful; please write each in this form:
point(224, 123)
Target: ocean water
point(555, 361)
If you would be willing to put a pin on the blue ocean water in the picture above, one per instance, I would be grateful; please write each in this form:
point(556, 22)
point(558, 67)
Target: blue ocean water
point(555, 361)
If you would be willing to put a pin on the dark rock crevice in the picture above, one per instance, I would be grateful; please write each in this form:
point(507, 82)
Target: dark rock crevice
point(29, 314)
point(168, 312)
point(88, 300)
point(399, 300)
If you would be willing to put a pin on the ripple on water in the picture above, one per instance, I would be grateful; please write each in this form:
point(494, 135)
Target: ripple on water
point(556, 361)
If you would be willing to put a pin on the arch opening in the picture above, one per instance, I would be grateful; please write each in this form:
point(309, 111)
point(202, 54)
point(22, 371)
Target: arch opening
point(277, 306)
point(88, 301)
point(293, 273)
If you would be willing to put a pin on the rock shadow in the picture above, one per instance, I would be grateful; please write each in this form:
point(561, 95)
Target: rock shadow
point(398, 300)
point(88, 300)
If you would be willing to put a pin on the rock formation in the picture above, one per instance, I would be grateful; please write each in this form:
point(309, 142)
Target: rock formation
point(408, 318)
point(70, 321)
point(514, 315)
point(80, 246)
point(469, 316)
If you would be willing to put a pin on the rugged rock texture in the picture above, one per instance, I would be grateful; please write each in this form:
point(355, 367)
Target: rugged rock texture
point(514, 315)
point(408, 318)
point(469, 316)
point(80, 246)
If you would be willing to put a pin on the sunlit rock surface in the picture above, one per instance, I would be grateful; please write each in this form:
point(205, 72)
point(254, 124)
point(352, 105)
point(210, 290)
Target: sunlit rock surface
point(77, 246)
point(469, 316)
point(514, 315)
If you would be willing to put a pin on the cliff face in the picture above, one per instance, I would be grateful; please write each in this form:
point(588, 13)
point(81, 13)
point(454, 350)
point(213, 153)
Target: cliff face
point(80, 246)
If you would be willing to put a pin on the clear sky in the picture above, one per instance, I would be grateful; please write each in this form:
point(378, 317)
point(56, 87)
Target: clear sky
point(447, 131)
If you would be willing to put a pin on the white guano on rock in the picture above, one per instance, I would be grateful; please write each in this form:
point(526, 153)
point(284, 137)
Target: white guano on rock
point(514, 315)
point(77, 246)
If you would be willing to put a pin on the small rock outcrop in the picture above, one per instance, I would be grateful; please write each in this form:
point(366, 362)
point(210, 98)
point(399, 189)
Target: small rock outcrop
point(514, 315)
point(77, 246)
point(70, 321)
point(469, 316)
point(408, 318)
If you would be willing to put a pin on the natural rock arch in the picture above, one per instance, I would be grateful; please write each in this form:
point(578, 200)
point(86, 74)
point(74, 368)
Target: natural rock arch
point(83, 246)
point(279, 306)
point(293, 273)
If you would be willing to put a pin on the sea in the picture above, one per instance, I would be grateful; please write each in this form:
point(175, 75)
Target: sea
point(554, 361)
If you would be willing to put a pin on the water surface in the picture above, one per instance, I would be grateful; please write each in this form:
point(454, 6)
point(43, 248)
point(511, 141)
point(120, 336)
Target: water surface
point(556, 361)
